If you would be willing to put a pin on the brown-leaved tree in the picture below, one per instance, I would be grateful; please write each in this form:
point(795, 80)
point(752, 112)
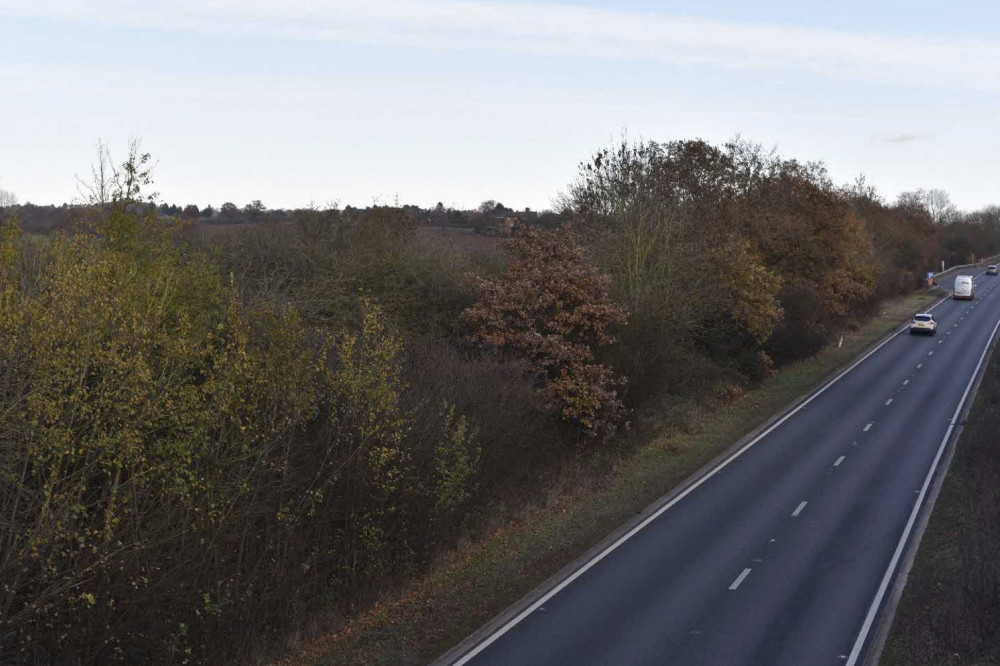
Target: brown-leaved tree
point(553, 308)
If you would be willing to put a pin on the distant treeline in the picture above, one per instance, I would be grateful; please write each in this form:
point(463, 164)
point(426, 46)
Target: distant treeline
point(489, 217)
point(208, 439)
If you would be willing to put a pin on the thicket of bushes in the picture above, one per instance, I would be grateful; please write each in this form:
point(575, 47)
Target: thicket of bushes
point(183, 468)
point(204, 440)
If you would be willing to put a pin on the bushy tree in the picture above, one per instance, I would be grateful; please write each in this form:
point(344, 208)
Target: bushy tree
point(229, 211)
point(553, 308)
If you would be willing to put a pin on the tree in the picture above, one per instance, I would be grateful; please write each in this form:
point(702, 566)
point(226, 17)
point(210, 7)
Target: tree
point(254, 210)
point(937, 203)
point(553, 308)
point(207, 212)
point(940, 207)
point(190, 212)
point(112, 185)
point(487, 207)
point(229, 211)
point(7, 198)
point(116, 194)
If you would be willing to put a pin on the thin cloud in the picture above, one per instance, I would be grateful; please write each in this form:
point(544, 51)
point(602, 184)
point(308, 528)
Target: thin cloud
point(903, 137)
point(563, 30)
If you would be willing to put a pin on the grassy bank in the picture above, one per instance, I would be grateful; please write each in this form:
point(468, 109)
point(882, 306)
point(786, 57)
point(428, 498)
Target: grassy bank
point(950, 610)
point(589, 499)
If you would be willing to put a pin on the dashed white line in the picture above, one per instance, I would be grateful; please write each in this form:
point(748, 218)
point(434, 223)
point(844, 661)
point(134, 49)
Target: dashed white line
point(940, 342)
point(905, 382)
point(930, 353)
point(859, 643)
point(867, 428)
point(839, 460)
point(575, 575)
point(799, 508)
point(739, 579)
point(888, 402)
point(919, 365)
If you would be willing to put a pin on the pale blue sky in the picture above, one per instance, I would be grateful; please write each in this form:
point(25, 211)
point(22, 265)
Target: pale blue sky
point(456, 101)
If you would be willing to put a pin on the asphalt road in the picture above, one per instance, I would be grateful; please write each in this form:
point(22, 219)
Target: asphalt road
point(778, 558)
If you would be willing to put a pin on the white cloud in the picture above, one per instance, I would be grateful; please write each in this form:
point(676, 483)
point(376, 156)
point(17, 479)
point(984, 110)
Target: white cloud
point(557, 30)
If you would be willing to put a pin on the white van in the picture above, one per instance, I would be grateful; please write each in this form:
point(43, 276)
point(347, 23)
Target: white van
point(964, 288)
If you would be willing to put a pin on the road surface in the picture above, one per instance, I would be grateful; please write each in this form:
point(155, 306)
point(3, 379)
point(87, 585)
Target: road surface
point(784, 556)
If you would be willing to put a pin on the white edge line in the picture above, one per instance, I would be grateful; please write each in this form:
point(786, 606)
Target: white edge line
point(464, 659)
point(877, 601)
point(739, 579)
point(799, 508)
point(839, 460)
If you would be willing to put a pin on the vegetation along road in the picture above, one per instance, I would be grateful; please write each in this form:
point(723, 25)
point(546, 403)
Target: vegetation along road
point(786, 551)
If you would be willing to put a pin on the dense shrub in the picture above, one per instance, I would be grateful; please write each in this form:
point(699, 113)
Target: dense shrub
point(323, 260)
point(180, 466)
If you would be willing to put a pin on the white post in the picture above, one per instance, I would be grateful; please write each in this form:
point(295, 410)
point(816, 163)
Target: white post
point(942, 265)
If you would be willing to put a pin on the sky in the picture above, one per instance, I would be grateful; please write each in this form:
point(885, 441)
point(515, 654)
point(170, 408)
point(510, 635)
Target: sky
point(296, 102)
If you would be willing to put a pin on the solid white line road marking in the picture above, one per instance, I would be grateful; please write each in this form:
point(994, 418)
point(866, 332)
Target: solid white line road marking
point(584, 568)
point(799, 508)
point(859, 643)
point(867, 428)
point(888, 402)
point(839, 460)
point(739, 579)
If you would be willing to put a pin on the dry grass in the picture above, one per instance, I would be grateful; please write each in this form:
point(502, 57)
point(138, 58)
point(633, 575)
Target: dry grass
point(587, 500)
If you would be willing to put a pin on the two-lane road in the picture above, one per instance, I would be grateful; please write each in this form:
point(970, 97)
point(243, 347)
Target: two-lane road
point(784, 554)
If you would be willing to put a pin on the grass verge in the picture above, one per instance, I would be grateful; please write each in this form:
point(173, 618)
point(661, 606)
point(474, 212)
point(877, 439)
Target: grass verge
point(588, 499)
point(950, 610)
